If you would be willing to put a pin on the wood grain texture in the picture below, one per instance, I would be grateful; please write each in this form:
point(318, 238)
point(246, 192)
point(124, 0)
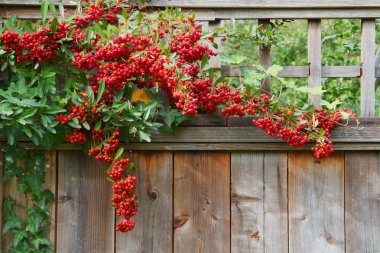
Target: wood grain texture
point(247, 202)
point(299, 71)
point(33, 12)
point(316, 203)
point(1, 195)
point(85, 218)
point(259, 220)
point(362, 202)
point(294, 13)
point(367, 87)
point(51, 184)
point(202, 202)
point(240, 3)
point(315, 59)
point(276, 202)
point(154, 227)
point(215, 61)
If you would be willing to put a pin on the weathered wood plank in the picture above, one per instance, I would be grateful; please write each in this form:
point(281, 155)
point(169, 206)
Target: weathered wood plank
point(247, 202)
point(240, 3)
point(1, 195)
point(259, 220)
point(215, 61)
point(287, 71)
point(202, 202)
point(294, 13)
point(315, 59)
point(367, 91)
point(51, 184)
point(276, 202)
point(154, 229)
point(242, 146)
point(300, 71)
point(33, 12)
point(207, 120)
point(85, 218)
point(316, 203)
point(362, 202)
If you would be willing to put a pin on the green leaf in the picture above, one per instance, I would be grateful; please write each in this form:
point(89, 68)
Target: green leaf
point(144, 136)
point(86, 125)
point(6, 109)
point(98, 125)
point(274, 70)
point(75, 125)
point(44, 9)
point(119, 152)
point(205, 60)
point(11, 222)
point(29, 113)
point(54, 25)
point(52, 9)
point(90, 94)
point(317, 90)
point(101, 89)
point(137, 54)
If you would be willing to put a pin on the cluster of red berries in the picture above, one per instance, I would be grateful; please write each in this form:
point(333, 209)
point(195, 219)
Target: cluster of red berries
point(76, 137)
point(323, 149)
point(77, 111)
point(106, 149)
point(38, 46)
point(124, 197)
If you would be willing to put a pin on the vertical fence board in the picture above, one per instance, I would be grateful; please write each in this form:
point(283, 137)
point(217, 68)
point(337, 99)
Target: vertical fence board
point(247, 202)
point(315, 59)
point(215, 61)
point(202, 202)
point(85, 218)
point(1, 196)
point(316, 203)
point(367, 92)
point(154, 221)
point(362, 201)
point(276, 202)
point(51, 184)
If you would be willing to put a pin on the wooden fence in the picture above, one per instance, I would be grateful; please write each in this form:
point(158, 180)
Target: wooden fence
point(222, 185)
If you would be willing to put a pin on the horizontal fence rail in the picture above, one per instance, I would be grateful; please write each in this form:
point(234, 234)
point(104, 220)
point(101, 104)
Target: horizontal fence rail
point(240, 3)
point(205, 131)
point(243, 9)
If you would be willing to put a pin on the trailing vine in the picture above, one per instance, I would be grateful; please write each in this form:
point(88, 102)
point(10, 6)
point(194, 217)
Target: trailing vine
point(28, 233)
point(114, 72)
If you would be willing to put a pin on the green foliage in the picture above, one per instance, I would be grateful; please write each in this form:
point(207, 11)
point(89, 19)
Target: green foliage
point(30, 233)
point(340, 47)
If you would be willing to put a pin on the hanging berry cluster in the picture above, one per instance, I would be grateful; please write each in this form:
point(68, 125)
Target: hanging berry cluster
point(117, 61)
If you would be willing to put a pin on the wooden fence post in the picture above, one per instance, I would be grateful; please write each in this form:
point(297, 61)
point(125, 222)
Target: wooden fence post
point(315, 59)
point(367, 92)
point(264, 58)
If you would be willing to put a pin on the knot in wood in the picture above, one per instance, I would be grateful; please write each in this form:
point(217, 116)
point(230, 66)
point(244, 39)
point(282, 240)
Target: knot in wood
point(153, 195)
point(64, 198)
point(330, 239)
point(179, 221)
